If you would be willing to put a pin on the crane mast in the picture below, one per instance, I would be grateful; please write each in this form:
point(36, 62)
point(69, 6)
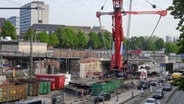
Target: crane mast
point(117, 34)
point(117, 31)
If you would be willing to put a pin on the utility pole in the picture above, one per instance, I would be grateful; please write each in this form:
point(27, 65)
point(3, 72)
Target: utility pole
point(31, 71)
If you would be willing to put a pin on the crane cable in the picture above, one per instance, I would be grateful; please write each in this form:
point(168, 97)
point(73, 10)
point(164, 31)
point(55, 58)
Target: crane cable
point(150, 35)
point(102, 7)
point(153, 5)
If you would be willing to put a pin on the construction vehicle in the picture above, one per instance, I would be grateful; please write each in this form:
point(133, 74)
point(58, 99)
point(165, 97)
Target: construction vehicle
point(117, 32)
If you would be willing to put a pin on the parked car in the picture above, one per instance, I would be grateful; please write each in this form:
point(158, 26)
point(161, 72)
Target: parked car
point(151, 101)
point(154, 73)
point(143, 85)
point(158, 94)
point(161, 80)
point(168, 77)
point(167, 87)
point(154, 83)
point(102, 97)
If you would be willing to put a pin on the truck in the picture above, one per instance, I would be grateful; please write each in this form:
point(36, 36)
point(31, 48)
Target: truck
point(175, 76)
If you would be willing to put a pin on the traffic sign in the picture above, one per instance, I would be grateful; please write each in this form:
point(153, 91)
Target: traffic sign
point(181, 55)
point(162, 65)
point(5, 64)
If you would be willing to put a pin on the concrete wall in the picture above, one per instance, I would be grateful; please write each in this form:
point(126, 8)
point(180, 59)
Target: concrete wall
point(36, 47)
point(9, 48)
point(85, 67)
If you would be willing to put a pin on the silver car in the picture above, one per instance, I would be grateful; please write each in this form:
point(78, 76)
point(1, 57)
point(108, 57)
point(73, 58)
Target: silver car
point(151, 101)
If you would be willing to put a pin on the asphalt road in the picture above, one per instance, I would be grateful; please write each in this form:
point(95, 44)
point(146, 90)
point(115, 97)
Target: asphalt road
point(163, 100)
point(177, 98)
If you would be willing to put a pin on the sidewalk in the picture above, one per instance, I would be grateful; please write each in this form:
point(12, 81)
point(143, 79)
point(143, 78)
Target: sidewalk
point(122, 97)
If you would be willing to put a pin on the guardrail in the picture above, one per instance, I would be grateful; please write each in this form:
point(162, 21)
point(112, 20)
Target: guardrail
point(167, 99)
point(138, 98)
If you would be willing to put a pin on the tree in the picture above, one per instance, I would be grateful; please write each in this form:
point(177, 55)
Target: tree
point(62, 37)
point(81, 40)
point(108, 39)
point(53, 40)
point(93, 40)
point(8, 29)
point(180, 84)
point(177, 10)
point(27, 35)
point(159, 43)
point(101, 43)
point(71, 38)
point(171, 47)
point(43, 37)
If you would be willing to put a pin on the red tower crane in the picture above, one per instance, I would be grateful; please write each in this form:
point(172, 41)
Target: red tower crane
point(117, 31)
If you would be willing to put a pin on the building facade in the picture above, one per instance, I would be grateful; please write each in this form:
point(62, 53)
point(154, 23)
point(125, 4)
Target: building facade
point(168, 38)
point(28, 17)
point(2, 21)
point(16, 22)
point(50, 28)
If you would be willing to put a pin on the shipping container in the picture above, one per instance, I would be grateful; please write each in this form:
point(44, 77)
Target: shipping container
point(43, 87)
point(67, 78)
point(13, 92)
point(32, 87)
point(118, 83)
point(107, 87)
point(57, 81)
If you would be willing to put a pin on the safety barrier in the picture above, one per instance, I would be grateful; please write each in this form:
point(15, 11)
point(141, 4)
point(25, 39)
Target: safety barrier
point(138, 98)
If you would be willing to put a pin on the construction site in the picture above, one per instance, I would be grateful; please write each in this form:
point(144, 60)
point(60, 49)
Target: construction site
point(35, 74)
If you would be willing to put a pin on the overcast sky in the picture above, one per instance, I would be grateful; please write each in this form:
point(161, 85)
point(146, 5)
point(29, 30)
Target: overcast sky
point(83, 13)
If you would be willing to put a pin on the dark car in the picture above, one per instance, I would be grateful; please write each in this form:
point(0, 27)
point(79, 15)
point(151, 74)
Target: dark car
point(102, 97)
point(167, 87)
point(158, 94)
point(143, 85)
point(161, 80)
point(154, 83)
point(168, 77)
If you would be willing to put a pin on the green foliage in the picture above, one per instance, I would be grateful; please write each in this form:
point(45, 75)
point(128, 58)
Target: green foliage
point(180, 83)
point(81, 40)
point(159, 43)
point(136, 42)
point(62, 37)
point(94, 41)
point(27, 35)
point(101, 42)
point(71, 38)
point(182, 60)
point(8, 29)
point(43, 37)
point(171, 47)
point(53, 41)
point(177, 10)
point(108, 39)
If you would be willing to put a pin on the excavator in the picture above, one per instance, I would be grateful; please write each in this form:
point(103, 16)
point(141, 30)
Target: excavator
point(117, 32)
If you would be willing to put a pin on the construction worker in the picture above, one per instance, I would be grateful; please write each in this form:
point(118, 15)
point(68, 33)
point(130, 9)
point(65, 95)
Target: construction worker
point(82, 92)
point(13, 73)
